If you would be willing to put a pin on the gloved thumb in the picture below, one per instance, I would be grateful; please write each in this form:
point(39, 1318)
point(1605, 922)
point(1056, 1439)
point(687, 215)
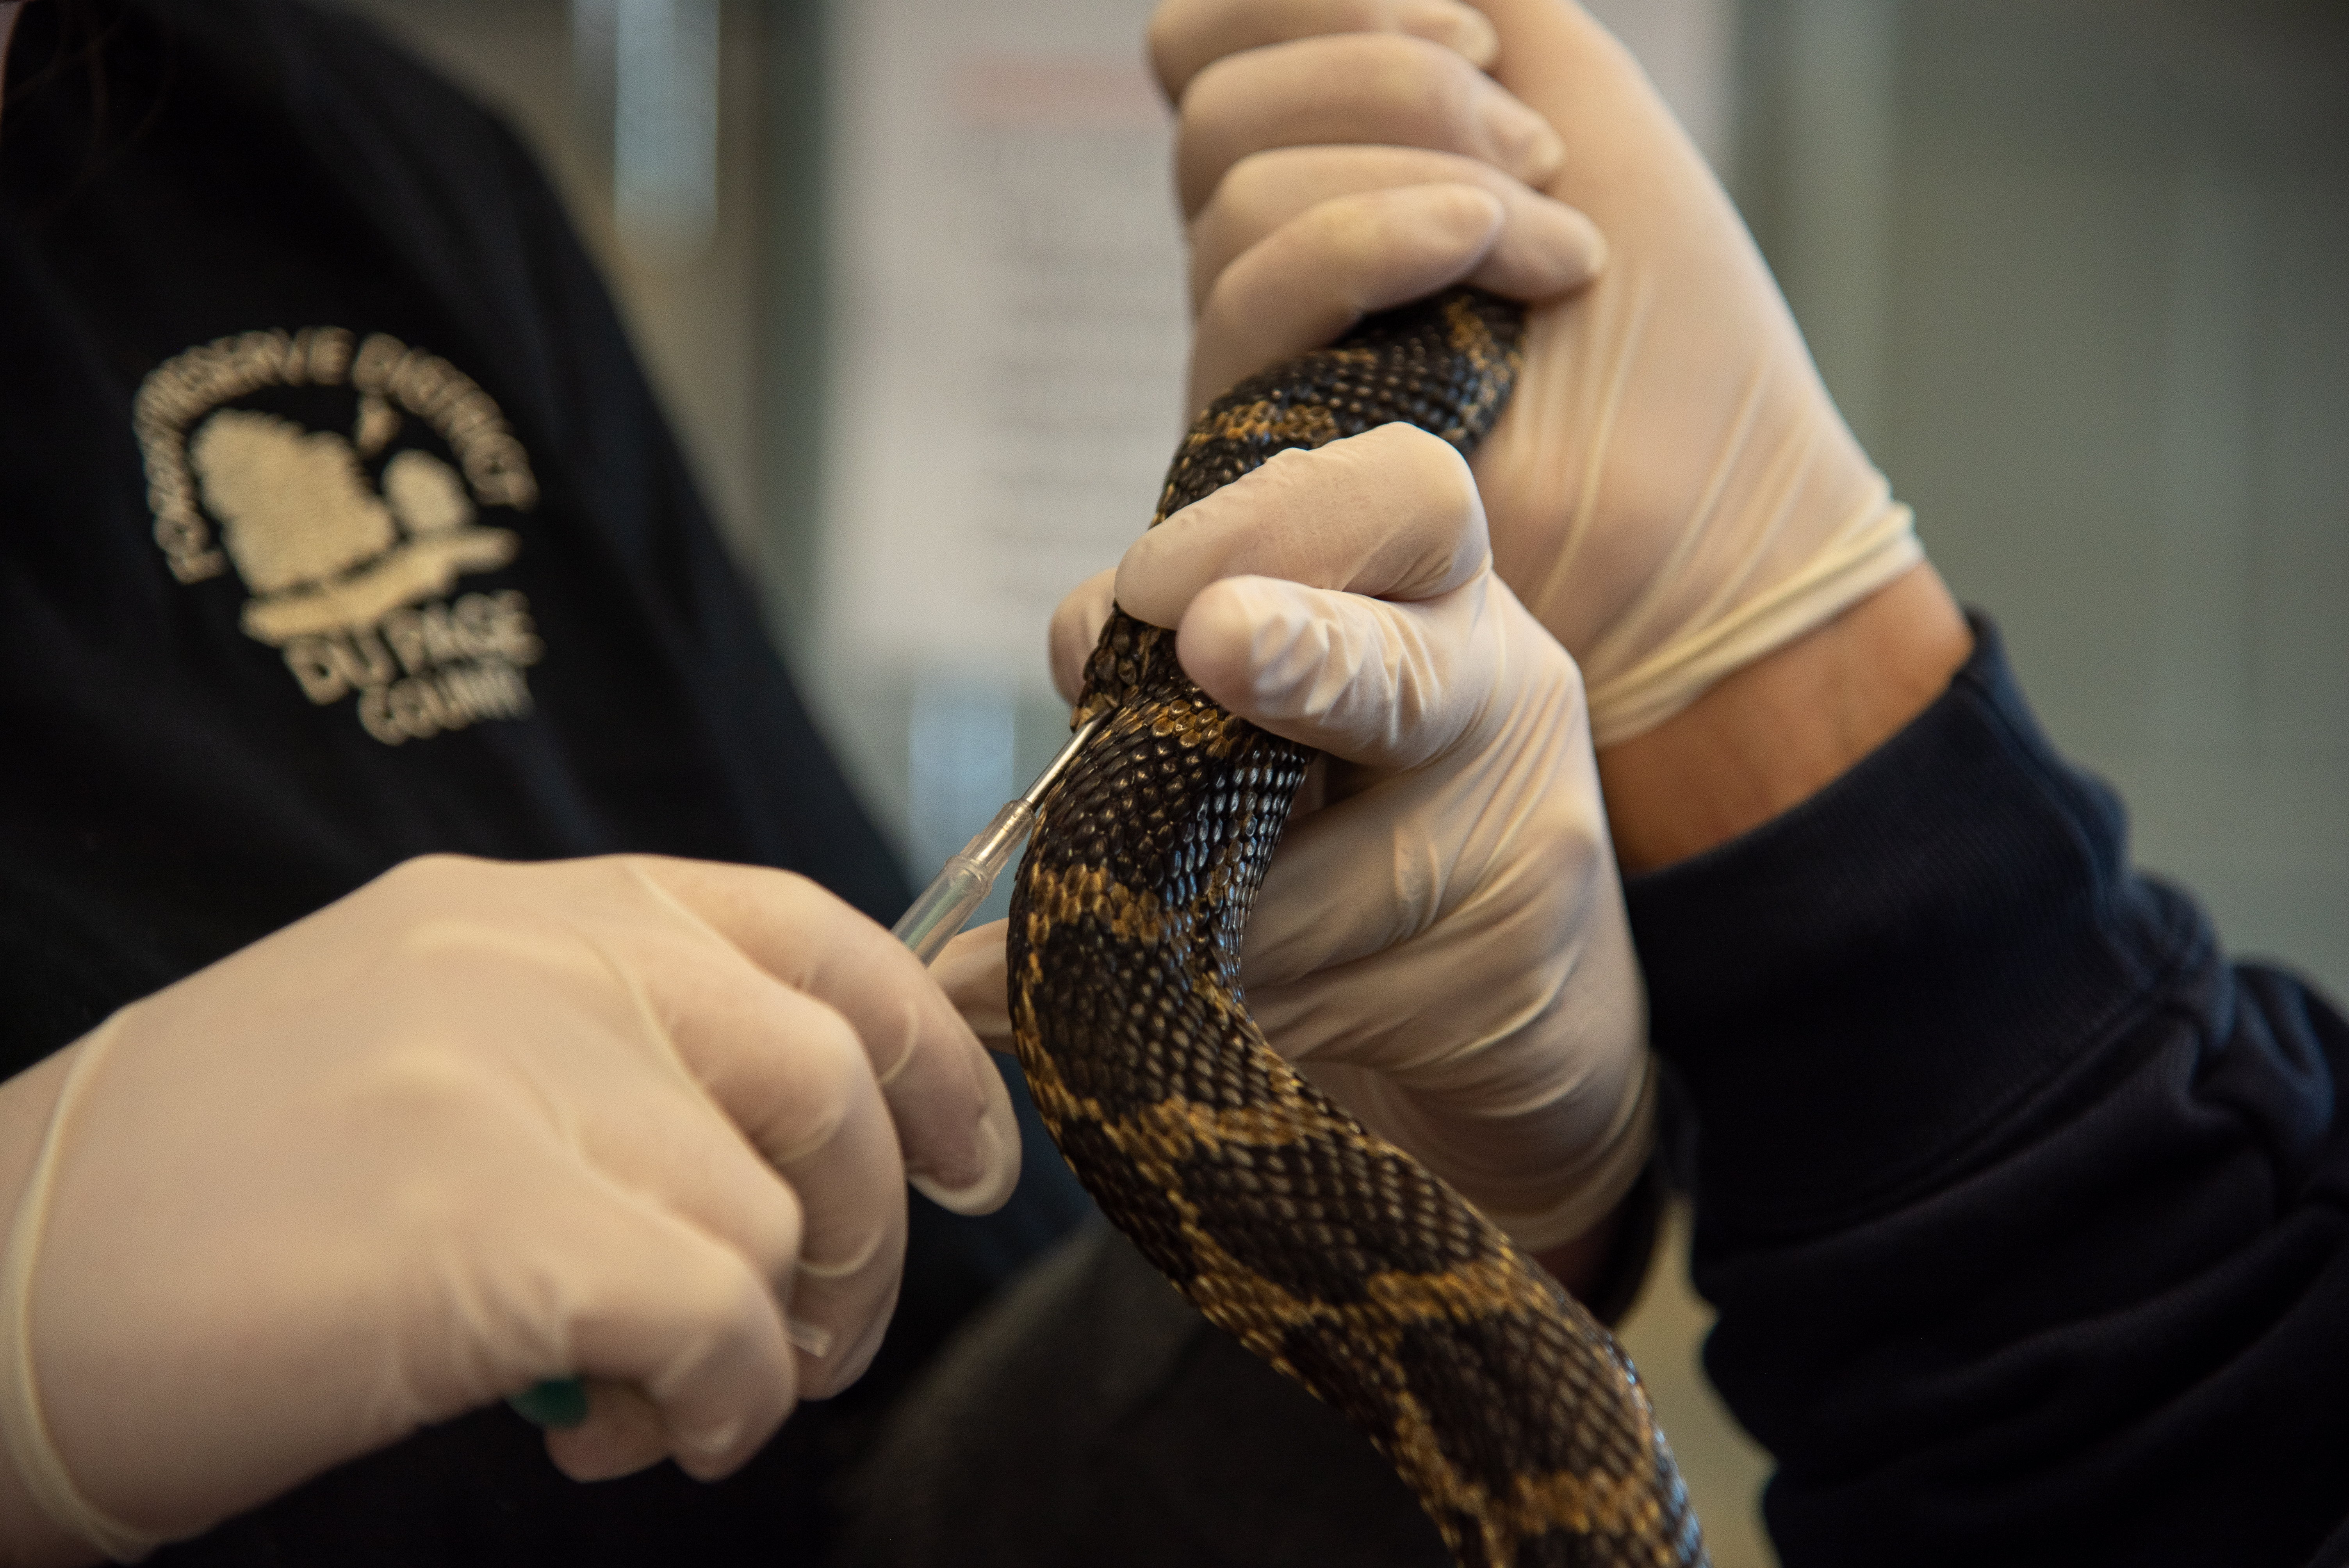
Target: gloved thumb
point(1384, 685)
point(1392, 512)
point(1335, 596)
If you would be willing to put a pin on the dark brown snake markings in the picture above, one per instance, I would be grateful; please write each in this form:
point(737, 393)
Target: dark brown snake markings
point(1324, 1250)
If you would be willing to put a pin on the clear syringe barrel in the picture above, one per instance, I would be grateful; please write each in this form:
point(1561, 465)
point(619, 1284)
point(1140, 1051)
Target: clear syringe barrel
point(964, 885)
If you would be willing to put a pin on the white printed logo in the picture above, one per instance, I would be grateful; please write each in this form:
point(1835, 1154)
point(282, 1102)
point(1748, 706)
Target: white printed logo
point(348, 544)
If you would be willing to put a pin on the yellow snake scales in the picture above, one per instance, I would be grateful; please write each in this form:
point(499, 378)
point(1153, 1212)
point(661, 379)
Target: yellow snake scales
point(1324, 1250)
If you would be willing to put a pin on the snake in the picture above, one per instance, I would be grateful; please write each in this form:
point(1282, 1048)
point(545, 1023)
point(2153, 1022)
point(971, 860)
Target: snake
point(1508, 1409)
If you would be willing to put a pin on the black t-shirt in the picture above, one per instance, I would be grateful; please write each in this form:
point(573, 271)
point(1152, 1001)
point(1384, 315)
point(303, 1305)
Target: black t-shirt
point(337, 526)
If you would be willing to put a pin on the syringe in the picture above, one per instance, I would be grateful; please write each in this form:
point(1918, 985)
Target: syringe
point(938, 914)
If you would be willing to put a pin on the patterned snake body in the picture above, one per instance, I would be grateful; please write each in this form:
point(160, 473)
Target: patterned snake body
point(1324, 1250)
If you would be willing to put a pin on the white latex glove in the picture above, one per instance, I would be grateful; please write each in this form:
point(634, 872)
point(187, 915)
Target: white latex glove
point(1673, 493)
point(473, 1126)
point(1441, 946)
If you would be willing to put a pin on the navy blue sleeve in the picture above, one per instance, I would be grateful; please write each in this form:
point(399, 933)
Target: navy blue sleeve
point(2021, 1207)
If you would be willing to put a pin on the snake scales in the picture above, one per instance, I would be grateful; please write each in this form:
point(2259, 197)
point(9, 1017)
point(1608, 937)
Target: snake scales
point(1326, 1250)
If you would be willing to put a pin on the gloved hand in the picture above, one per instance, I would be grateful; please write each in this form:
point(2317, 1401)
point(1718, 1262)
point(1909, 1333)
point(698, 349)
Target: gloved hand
point(1671, 492)
point(473, 1126)
point(1442, 944)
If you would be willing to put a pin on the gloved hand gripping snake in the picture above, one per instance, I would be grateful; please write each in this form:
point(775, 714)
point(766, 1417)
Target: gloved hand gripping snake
point(1324, 1250)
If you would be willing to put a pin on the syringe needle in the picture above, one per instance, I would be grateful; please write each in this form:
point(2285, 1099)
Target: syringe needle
point(935, 917)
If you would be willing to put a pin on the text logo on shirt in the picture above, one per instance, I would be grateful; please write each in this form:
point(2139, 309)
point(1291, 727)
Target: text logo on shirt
point(349, 542)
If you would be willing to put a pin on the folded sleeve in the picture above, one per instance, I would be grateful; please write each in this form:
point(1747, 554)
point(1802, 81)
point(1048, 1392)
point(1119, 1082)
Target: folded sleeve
point(2022, 1208)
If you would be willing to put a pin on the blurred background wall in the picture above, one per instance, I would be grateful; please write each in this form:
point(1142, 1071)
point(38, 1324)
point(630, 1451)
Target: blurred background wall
point(2078, 271)
point(909, 281)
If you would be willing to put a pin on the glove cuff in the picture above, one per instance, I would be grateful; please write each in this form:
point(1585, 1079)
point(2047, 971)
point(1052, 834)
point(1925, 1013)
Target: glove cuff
point(1876, 546)
point(23, 1428)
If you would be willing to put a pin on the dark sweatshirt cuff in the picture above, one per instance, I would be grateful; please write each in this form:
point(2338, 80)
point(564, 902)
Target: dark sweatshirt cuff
point(1861, 993)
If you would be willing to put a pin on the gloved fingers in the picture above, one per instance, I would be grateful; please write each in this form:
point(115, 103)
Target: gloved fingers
point(1187, 36)
point(650, 1301)
point(754, 1072)
point(953, 1117)
point(971, 973)
point(1392, 512)
point(623, 1434)
point(1545, 246)
point(1306, 283)
point(1384, 87)
point(1563, 62)
point(1388, 685)
point(1514, 815)
point(782, 1147)
point(1077, 623)
point(1349, 881)
point(792, 1074)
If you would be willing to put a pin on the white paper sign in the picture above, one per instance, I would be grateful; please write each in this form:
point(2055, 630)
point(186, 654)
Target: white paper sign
point(1009, 358)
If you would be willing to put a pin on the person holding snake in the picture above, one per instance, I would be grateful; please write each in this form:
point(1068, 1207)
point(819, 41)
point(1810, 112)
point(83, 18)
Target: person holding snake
point(2020, 1205)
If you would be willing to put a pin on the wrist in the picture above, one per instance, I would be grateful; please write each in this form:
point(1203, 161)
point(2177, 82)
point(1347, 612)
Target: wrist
point(1768, 737)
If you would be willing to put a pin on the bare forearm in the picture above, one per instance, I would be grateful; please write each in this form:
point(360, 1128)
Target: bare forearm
point(1774, 734)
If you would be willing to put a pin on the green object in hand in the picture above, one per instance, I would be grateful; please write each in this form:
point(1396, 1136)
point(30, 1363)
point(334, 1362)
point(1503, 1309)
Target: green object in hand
point(553, 1402)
